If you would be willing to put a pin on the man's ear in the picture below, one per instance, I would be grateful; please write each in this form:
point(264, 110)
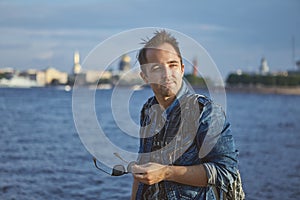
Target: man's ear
point(182, 69)
point(144, 77)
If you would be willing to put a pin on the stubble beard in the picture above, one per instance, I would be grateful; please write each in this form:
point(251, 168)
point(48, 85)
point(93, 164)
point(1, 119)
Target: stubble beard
point(167, 92)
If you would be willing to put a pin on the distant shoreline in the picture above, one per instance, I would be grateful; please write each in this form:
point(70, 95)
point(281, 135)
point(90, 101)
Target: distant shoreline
point(237, 89)
point(265, 89)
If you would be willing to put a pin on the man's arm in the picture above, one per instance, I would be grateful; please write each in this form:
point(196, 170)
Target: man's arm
point(152, 173)
point(189, 175)
point(134, 189)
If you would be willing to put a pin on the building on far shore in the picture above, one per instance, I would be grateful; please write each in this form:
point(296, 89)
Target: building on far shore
point(32, 77)
point(93, 76)
point(195, 67)
point(86, 77)
point(55, 77)
point(124, 64)
point(124, 76)
point(264, 68)
point(49, 76)
point(35, 75)
point(297, 71)
point(76, 66)
point(265, 78)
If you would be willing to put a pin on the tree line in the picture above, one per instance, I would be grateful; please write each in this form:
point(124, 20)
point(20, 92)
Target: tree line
point(267, 80)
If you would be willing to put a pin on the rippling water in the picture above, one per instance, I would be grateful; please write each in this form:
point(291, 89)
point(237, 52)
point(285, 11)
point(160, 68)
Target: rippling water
point(42, 156)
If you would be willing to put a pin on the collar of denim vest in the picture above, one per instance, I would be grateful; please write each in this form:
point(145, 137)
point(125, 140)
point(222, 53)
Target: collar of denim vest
point(183, 90)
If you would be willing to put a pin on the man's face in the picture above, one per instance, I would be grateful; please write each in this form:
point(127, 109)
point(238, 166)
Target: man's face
point(163, 70)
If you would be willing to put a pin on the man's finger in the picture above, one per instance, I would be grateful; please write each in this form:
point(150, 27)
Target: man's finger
point(137, 169)
point(139, 176)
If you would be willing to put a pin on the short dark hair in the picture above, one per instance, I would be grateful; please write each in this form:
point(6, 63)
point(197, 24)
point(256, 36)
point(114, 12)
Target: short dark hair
point(159, 38)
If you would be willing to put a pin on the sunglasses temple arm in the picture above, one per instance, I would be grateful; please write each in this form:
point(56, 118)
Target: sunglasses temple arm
point(118, 156)
point(95, 163)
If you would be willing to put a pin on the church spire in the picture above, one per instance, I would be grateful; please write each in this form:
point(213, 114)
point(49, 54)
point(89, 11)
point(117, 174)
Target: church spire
point(77, 66)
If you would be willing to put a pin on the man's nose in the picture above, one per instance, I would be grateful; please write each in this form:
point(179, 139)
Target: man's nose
point(166, 71)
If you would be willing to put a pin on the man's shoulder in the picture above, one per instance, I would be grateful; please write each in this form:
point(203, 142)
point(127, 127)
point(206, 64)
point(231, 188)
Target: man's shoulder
point(197, 98)
point(152, 100)
point(206, 106)
point(204, 100)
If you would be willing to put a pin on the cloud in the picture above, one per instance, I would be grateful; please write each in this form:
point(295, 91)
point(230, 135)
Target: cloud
point(33, 29)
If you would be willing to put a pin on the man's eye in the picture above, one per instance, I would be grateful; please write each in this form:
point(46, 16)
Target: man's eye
point(156, 67)
point(173, 65)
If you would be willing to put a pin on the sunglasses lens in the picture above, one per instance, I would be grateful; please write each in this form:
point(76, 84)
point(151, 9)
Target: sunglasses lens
point(129, 166)
point(118, 170)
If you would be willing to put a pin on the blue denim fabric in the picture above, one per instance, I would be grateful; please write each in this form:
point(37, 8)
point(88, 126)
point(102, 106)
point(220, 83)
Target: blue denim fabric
point(212, 145)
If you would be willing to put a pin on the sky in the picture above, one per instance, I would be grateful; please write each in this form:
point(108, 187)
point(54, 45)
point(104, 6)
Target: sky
point(236, 34)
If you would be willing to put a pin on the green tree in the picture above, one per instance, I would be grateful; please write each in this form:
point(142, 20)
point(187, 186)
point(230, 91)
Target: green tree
point(195, 80)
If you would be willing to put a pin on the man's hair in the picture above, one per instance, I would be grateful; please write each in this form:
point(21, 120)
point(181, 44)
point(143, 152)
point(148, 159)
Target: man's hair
point(159, 38)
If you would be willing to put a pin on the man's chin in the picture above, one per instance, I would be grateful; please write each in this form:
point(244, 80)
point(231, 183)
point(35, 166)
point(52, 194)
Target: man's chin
point(167, 92)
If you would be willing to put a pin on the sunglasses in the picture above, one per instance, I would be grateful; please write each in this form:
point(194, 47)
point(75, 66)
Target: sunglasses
point(118, 170)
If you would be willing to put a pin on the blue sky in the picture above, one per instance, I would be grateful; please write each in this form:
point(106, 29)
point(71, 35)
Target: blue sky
point(38, 34)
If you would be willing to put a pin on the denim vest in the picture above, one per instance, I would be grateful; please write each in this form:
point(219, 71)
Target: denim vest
point(192, 131)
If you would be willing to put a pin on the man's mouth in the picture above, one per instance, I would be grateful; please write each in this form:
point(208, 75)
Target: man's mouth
point(168, 83)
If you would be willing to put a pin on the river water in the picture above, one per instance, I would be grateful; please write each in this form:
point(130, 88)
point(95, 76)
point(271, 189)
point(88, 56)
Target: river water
point(42, 156)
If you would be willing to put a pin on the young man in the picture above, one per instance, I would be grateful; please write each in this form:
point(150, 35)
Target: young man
point(186, 149)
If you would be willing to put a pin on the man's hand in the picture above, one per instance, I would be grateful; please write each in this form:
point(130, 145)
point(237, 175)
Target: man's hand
point(150, 173)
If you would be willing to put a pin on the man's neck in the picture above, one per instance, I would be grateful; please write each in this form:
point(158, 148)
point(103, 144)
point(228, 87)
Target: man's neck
point(165, 102)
